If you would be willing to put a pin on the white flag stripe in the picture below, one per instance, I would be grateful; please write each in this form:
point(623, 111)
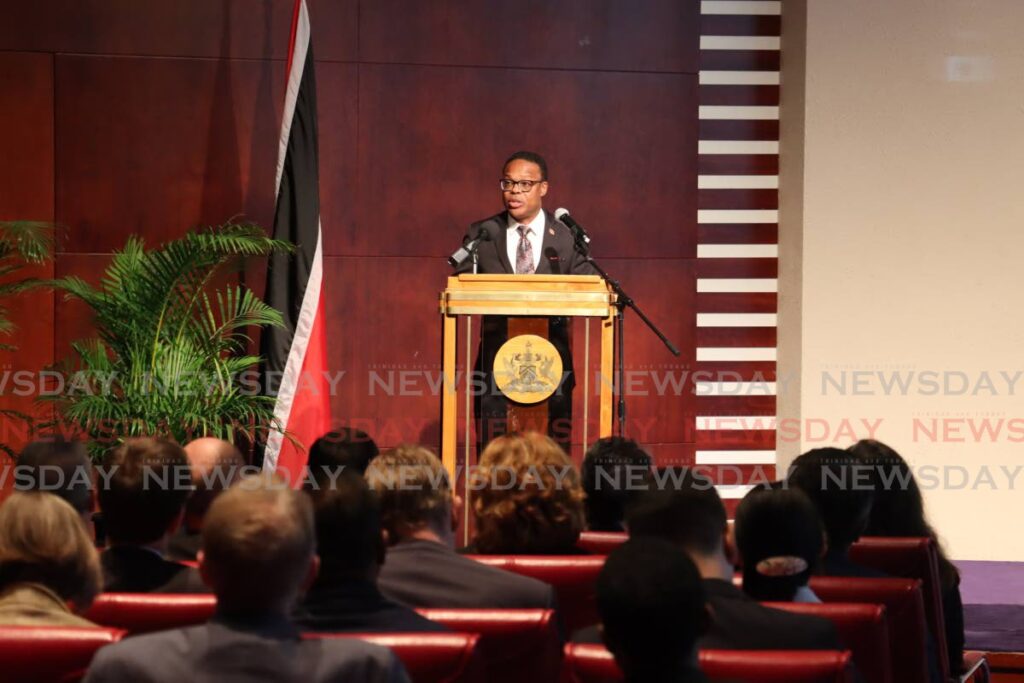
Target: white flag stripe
point(291, 95)
point(737, 251)
point(740, 7)
point(735, 458)
point(735, 388)
point(737, 113)
point(739, 42)
point(737, 216)
point(715, 284)
point(712, 77)
point(711, 354)
point(739, 423)
point(737, 320)
point(737, 147)
point(737, 182)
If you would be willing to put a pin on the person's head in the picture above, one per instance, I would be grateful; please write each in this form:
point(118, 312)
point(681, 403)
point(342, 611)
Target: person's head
point(143, 494)
point(522, 169)
point(691, 517)
point(780, 541)
point(615, 471)
point(651, 602)
point(530, 499)
point(258, 546)
point(215, 465)
point(832, 479)
point(349, 539)
point(415, 494)
point(62, 468)
point(43, 540)
point(346, 448)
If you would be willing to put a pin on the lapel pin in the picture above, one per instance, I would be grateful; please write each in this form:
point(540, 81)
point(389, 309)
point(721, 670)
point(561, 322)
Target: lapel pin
point(551, 231)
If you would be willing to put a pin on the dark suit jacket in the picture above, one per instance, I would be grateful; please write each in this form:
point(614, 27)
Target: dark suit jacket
point(227, 651)
point(184, 545)
point(357, 605)
point(429, 574)
point(130, 569)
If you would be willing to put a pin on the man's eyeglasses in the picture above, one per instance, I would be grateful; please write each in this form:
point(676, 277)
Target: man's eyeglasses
point(507, 185)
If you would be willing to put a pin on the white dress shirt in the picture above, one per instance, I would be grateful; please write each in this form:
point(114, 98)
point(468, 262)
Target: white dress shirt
point(535, 233)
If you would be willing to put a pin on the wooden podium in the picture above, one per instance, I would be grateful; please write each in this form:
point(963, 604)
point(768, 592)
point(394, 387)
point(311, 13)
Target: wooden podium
point(522, 298)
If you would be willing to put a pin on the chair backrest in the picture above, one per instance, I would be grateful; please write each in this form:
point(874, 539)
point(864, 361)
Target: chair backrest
point(594, 664)
point(516, 644)
point(910, 558)
point(574, 578)
point(428, 657)
point(601, 542)
point(861, 627)
point(50, 653)
point(147, 612)
point(904, 610)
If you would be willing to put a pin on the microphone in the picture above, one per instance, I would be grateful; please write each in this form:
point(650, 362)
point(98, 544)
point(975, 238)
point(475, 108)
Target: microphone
point(468, 247)
point(576, 228)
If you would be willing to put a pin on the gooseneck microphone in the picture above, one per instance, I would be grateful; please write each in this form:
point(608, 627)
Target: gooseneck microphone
point(576, 228)
point(468, 247)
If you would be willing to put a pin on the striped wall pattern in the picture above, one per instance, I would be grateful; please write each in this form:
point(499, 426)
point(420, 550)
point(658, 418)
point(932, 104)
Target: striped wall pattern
point(737, 244)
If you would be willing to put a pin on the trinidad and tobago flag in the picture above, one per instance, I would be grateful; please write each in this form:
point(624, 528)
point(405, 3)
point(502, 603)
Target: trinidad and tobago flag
point(295, 361)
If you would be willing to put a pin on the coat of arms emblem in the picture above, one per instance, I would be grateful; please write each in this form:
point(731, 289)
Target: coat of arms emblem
point(528, 368)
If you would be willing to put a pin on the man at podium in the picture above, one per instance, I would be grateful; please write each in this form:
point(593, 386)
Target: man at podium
point(524, 239)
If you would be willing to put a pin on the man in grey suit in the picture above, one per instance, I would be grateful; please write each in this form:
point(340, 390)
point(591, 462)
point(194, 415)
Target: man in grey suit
point(421, 568)
point(524, 239)
point(258, 553)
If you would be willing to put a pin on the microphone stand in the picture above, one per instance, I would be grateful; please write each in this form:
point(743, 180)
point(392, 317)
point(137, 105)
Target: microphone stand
point(623, 301)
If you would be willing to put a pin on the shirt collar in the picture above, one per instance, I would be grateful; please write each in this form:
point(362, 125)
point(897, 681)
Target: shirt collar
point(536, 225)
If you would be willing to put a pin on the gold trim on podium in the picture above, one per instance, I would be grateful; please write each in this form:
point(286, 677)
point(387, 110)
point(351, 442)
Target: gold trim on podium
point(523, 295)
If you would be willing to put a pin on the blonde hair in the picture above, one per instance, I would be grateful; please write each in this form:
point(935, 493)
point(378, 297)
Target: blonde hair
point(530, 500)
point(413, 489)
point(43, 540)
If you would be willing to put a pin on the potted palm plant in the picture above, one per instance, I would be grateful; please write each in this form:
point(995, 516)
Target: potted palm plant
point(171, 353)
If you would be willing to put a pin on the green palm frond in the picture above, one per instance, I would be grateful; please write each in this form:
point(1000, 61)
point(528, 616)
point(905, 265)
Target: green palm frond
point(170, 354)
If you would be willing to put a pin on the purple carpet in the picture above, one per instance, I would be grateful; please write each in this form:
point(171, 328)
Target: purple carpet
point(993, 595)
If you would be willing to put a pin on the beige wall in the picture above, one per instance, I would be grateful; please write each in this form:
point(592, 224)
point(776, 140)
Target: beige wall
point(902, 206)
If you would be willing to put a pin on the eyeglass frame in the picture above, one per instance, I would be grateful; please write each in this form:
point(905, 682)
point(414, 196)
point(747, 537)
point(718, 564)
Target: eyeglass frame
point(519, 184)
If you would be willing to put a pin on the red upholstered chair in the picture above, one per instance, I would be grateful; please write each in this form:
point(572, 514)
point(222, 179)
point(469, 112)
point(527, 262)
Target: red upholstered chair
point(54, 654)
point(862, 628)
point(573, 577)
point(428, 657)
point(516, 644)
point(904, 609)
point(594, 664)
point(601, 542)
point(147, 612)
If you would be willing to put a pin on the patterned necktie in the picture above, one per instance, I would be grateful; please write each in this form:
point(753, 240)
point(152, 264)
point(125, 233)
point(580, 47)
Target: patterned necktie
point(524, 252)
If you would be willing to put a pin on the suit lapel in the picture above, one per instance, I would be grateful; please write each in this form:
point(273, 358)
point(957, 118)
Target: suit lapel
point(501, 241)
point(547, 241)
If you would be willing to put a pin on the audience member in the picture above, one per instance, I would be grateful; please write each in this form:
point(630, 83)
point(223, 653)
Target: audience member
point(142, 496)
point(615, 471)
point(780, 542)
point(831, 478)
point(898, 510)
point(652, 608)
point(62, 468)
point(258, 552)
point(352, 546)
point(215, 465)
point(49, 570)
point(530, 501)
point(693, 519)
point(422, 569)
point(343, 449)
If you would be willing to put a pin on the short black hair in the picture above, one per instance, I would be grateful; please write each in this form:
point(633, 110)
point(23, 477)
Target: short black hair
point(141, 495)
point(610, 469)
point(533, 158)
point(651, 602)
point(348, 527)
point(691, 515)
point(773, 522)
point(60, 467)
point(831, 479)
point(350, 448)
